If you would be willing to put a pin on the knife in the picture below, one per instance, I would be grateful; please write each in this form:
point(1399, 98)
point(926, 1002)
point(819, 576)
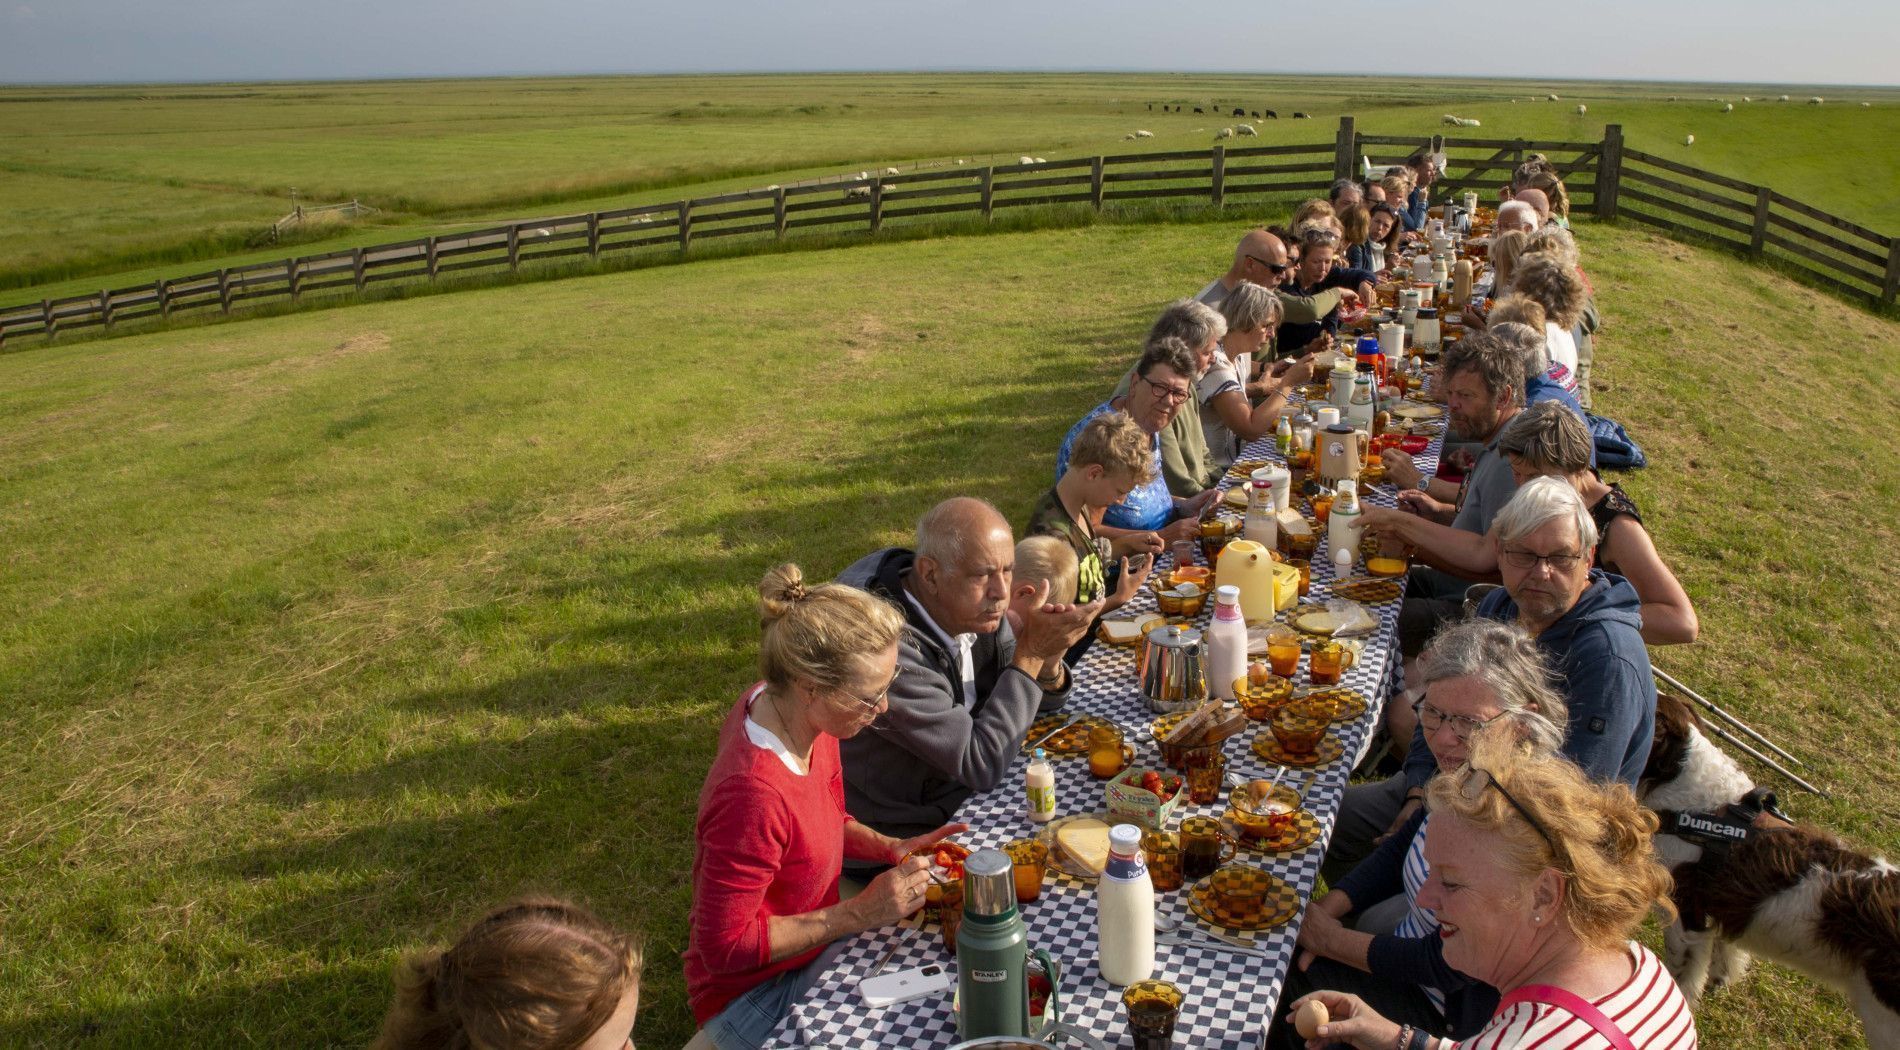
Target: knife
point(1033, 744)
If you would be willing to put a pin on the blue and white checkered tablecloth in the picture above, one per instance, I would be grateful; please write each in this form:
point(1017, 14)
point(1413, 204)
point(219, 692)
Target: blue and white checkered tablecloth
point(1229, 997)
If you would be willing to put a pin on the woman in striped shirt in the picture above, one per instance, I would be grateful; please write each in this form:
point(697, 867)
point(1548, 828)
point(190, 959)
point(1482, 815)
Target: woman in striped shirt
point(1538, 877)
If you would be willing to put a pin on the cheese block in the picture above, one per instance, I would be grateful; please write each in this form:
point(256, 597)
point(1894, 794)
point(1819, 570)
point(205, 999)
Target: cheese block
point(1291, 523)
point(1121, 632)
point(1085, 840)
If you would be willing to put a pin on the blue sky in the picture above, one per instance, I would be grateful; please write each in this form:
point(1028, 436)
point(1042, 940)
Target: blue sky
point(1789, 41)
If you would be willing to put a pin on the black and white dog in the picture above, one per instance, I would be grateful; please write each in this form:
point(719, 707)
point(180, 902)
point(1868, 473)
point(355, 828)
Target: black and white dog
point(1750, 881)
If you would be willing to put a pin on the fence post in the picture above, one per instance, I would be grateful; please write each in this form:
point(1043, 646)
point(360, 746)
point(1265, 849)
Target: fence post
point(1343, 148)
point(46, 318)
point(295, 279)
point(877, 205)
point(429, 252)
point(1095, 183)
point(1217, 183)
point(989, 191)
point(105, 306)
point(224, 290)
point(593, 235)
point(1892, 287)
point(356, 267)
point(514, 247)
point(1759, 235)
point(1609, 171)
point(778, 214)
point(685, 209)
point(161, 288)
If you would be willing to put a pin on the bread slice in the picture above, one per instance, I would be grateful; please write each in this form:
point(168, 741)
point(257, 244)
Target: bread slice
point(1121, 632)
point(1085, 840)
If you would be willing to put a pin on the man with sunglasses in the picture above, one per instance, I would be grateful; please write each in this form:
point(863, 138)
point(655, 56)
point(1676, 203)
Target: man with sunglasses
point(1261, 258)
point(968, 685)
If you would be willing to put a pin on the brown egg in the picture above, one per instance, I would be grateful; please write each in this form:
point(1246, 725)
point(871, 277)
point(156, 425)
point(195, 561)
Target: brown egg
point(1309, 1017)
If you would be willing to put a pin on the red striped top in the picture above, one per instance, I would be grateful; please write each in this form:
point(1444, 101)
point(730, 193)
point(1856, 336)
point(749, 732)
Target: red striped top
point(1649, 1008)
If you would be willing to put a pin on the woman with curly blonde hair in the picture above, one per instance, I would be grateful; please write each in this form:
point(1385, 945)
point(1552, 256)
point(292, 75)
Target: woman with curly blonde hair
point(1539, 876)
point(772, 834)
point(537, 974)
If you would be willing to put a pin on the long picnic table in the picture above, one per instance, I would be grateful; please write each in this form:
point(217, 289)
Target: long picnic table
point(1229, 997)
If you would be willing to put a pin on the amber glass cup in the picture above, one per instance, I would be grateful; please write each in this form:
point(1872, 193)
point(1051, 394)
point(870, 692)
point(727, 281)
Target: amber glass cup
point(1206, 777)
point(951, 913)
point(1164, 860)
point(1108, 756)
point(1327, 663)
point(1030, 859)
point(1152, 1008)
point(1283, 650)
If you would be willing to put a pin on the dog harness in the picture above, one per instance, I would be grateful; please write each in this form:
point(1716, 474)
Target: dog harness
point(1717, 833)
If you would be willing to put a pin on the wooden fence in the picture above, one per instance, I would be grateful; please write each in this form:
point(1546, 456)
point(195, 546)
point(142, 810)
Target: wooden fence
point(1603, 177)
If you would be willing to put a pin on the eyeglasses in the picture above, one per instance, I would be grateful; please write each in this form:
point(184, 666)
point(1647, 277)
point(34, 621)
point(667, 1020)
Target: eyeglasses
point(1170, 394)
point(872, 703)
point(1277, 268)
point(1431, 718)
point(1478, 779)
point(1559, 563)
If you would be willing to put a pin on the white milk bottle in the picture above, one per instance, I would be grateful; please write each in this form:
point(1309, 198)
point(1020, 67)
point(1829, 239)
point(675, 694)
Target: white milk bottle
point(1125, 911)
point(1226, 642)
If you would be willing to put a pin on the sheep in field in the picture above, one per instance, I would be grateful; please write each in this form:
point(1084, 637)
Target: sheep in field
point(1025, 160)
point(1141, 133)
point(890, 171)
point(1728, 107)
point(1688, 140)
point(1039, 160)
point(1245, 129)
point(1582, 109)
point(1553, 98)
point(1784, 98)
point(1815, 101)
point(1224, 133)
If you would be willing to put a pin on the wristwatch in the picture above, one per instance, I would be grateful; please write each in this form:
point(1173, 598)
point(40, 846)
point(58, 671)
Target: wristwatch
point(1423, 484)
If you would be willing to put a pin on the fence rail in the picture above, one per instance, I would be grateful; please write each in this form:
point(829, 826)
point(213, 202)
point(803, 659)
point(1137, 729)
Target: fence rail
point(1603, 177)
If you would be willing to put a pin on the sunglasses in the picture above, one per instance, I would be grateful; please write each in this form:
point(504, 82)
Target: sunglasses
point(1276, 268)
point(1475, 783)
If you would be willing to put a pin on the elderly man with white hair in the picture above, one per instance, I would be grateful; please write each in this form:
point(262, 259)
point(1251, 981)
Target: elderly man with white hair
point(967, 684)
point(1588, 622)
point(1516, 214)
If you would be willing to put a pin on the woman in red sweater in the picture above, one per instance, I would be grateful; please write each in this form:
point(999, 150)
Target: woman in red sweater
point(772, 831)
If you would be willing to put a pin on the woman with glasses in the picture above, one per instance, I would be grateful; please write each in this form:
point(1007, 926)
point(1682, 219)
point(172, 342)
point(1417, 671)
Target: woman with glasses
point(772, 834)
point(1538, 877)
point(1479, 675)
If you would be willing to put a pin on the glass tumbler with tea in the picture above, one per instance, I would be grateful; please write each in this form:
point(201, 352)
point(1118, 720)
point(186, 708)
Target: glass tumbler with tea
point(1108, 755)
point(1029, 860)
point(1206, 777)
point(1283, 650)
point(1204, 847)
point(1163, 854)
point(1152, 1008)
point(1327, 663)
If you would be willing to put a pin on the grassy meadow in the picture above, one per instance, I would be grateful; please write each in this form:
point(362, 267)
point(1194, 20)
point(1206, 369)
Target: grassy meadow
point(114, 186)
point(323, 632)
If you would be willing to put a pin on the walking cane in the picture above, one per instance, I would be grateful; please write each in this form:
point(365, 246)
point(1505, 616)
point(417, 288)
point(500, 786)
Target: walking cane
point(1733, 739)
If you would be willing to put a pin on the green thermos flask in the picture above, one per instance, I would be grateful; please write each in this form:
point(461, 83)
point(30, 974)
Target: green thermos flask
point(992, 951)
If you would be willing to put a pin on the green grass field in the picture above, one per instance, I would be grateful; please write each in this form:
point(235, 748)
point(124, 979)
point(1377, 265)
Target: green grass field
point(114, 186)
point(323, 632)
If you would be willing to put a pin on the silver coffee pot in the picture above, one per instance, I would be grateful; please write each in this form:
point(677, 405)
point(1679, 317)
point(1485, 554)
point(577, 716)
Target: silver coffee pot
point(1174, 671)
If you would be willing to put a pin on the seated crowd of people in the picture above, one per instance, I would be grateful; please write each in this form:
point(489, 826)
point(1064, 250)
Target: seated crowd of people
point(1478, 895)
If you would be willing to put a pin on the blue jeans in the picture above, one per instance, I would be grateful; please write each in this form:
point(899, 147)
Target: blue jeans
point(747, 1021)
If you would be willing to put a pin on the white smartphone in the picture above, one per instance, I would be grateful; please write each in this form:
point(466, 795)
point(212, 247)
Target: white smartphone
point(888, 988)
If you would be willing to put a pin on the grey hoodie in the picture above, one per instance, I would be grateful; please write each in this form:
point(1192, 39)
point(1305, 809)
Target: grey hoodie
point(908, 773)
